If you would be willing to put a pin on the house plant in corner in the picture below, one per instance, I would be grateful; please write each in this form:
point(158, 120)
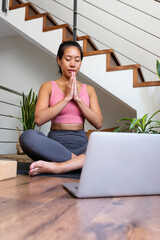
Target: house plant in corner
point(140, 125)
point(144, 124)
point(27, 104)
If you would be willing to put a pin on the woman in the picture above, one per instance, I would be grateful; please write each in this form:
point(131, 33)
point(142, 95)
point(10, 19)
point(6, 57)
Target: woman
point(66, 103)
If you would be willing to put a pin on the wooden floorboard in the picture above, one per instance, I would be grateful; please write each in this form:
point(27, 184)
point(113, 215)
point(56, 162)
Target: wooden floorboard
point(40, 208)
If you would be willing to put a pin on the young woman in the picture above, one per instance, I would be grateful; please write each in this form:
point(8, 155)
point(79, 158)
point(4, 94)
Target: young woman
point(66, 103)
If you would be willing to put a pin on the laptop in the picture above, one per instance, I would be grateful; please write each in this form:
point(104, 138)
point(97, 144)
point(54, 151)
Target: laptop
point(119, 164)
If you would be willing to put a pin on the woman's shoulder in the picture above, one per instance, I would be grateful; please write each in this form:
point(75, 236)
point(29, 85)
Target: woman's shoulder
point(46, 86)
point(90, 89)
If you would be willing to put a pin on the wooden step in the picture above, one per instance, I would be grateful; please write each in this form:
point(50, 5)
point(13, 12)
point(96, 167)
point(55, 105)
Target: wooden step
point(124, 67)
point(67, 31)
point(88, 44)
point(30, 9)
point(27, 17)
point(18, 6)
point(98, 52)
point(146, 84)
point(14, 3)
point(50, 21)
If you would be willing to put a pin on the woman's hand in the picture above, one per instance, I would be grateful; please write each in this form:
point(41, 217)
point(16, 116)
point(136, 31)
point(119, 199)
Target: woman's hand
point(69, 89)
point(75, 94)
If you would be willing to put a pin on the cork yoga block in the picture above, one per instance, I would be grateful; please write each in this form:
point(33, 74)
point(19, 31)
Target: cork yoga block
point(8, 169)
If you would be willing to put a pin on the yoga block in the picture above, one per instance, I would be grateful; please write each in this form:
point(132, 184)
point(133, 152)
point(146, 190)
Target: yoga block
point(8, 169)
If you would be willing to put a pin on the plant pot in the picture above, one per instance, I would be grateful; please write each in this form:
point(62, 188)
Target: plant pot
point(19, 149)
point(18, 146)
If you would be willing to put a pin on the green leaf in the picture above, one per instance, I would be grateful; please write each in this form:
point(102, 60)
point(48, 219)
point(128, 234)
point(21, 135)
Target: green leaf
point(124, 119)
point(157, 122)
point(144, 121)
point(118, 129)
point(154, 115)
point(134, 123)
point(158, 68)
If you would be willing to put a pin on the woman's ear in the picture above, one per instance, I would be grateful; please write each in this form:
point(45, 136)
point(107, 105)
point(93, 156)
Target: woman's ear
point(58, 61)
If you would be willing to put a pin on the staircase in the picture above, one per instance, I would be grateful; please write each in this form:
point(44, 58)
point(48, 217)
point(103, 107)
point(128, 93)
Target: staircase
point(99, 66)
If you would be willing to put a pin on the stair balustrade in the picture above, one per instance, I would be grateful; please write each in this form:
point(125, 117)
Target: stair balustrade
point(75, 20)
point(4, 6)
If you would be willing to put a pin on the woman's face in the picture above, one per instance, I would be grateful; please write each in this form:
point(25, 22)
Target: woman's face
point(70, 61)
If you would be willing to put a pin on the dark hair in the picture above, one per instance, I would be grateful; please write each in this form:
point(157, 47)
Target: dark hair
point(65, 45)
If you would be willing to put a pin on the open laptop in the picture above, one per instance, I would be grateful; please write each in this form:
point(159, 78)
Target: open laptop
point(119, 164)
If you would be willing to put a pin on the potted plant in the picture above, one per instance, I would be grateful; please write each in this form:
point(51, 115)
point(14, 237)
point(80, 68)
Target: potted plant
point(139, 125)
point(27, 104)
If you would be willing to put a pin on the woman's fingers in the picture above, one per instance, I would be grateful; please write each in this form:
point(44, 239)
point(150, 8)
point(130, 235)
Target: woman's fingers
point(75, 94)
point(69, 88)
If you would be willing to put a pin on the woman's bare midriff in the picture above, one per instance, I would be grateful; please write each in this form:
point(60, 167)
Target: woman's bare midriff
point(67, 126)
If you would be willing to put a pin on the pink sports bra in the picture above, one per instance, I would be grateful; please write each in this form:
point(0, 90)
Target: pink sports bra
point(71, 112)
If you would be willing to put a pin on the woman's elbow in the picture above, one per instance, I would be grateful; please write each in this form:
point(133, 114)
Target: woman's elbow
point(99, 124)
point(38, 121)
point(39, 124)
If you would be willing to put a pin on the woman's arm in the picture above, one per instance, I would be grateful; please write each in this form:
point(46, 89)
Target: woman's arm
point(44, 113)
point(93, 112)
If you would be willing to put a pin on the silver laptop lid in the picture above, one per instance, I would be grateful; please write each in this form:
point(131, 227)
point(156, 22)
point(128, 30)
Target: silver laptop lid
point(120, 164)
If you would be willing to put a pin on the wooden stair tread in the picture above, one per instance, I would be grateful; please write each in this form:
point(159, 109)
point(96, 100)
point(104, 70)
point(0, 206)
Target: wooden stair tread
point(124, 67)
point(45, 29)
point(19, 6)
point(98, 52)
point(147, 84)
point(35, 16)
point(28, 4)
point(51, 19)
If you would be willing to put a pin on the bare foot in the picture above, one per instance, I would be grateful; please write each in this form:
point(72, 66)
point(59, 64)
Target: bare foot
point(43, 167)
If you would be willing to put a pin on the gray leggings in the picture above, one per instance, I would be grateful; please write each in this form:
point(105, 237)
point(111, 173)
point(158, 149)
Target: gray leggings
point(58, 146)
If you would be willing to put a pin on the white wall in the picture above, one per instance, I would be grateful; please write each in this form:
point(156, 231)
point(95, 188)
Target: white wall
point(25, 66)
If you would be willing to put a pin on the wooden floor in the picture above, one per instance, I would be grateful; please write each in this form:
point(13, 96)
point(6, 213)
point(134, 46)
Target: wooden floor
point(40, 208)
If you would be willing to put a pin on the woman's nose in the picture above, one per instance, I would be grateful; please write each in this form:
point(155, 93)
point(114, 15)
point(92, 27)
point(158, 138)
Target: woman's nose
point(72, 62)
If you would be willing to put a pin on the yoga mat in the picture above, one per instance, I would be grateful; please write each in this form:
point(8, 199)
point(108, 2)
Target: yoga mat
point(23, 168)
